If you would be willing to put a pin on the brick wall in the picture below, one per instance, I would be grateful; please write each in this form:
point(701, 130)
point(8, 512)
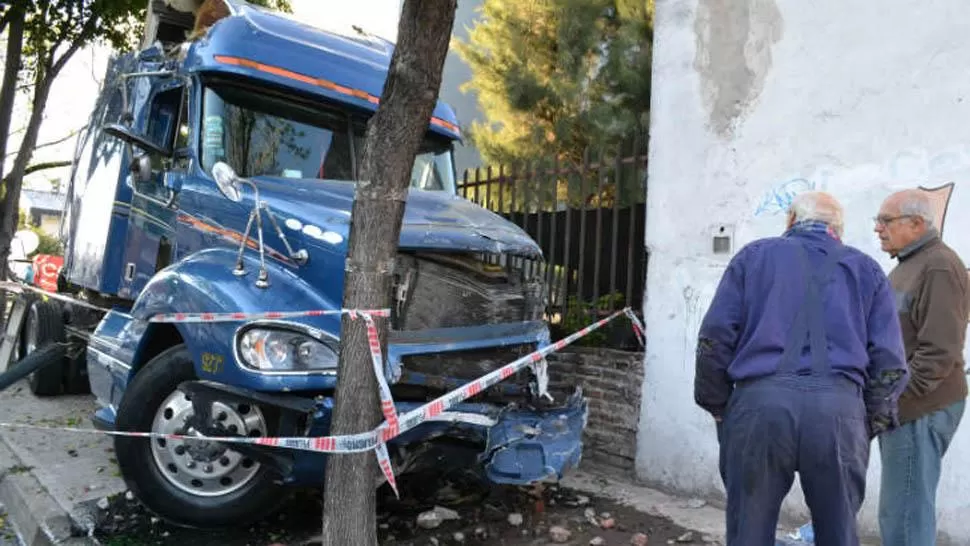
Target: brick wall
point(611, 381)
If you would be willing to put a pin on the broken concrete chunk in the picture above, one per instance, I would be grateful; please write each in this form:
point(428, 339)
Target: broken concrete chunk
point(434, 517)
point(515, 519)
point(608, 523)
point(103, 503)
point(638, 539)
point(696, 503)
point(597, 541)
point(559, 534)
point(686, 537)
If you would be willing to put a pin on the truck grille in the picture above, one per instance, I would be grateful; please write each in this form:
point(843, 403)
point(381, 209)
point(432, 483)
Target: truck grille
point(429, 375)
point(454, 290)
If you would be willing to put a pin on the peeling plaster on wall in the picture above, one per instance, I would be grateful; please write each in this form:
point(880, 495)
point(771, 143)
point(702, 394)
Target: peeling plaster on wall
point(734, 41)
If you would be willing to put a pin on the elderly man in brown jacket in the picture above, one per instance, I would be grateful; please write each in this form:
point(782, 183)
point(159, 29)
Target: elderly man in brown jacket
point(931, 286)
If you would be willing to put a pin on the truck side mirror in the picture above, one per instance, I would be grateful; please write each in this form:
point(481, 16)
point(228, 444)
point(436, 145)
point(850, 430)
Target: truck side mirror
point(141, 167)
point(227, 180)
point(125, 134)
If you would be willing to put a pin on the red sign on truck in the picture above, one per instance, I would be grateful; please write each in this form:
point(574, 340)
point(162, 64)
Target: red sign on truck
point(46, 268)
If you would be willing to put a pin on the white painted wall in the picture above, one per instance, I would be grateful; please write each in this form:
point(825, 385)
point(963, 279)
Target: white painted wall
point(754, 100)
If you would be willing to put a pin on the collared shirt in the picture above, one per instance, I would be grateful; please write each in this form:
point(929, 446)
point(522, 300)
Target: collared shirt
point(744, 333)
point(931, 235)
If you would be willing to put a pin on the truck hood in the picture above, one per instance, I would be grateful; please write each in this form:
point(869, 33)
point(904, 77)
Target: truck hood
point(433, 220)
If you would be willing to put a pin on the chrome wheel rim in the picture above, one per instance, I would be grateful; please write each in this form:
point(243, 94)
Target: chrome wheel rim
point(201, 467)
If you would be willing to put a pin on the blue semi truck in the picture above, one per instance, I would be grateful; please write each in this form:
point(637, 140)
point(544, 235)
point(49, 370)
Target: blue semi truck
point(263, 118)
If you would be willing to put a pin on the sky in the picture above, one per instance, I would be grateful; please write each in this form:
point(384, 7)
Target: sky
point(76, 88)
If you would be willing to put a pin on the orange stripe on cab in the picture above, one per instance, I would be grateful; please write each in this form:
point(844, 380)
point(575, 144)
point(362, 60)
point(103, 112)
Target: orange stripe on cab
point(319, 82)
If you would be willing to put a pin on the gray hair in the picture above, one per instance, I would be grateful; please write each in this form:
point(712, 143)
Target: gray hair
point(820, 207)
point(917, 203)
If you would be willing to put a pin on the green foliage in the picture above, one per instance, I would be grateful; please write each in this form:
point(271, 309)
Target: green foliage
point(580, 314)
point(278, 5)
point(559, 75)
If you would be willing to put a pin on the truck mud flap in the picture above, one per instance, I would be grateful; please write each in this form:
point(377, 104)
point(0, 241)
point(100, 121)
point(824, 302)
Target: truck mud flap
point(526, 446)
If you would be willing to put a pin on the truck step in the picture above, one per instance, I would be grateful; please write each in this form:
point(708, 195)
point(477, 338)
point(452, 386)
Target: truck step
point(15, 323)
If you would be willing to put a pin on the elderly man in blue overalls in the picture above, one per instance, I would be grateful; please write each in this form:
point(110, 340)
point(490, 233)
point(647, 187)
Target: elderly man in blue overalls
point(800, 361)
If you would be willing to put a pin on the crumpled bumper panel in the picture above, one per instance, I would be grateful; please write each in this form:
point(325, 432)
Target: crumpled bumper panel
point(526, 446)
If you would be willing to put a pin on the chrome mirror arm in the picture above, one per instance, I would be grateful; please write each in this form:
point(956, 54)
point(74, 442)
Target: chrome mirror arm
point(300, 256)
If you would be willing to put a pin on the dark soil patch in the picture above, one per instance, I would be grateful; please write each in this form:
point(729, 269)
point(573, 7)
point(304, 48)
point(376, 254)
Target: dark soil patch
point(483, 519)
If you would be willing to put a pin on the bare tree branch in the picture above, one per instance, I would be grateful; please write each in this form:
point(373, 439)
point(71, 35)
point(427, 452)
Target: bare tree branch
point(47, 165)
point(83, 38)
point(94, 76)
point(65, 138)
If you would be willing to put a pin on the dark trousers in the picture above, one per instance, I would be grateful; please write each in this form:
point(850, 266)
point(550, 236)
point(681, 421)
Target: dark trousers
point(775, 426)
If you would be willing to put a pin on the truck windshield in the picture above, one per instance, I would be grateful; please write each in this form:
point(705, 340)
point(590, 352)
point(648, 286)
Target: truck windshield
point(264, 134)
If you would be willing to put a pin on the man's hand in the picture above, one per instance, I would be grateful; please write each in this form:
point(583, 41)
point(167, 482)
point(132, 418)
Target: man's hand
point(877, 424)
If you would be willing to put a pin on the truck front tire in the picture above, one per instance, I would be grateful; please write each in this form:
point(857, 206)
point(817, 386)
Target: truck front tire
point(190, 484)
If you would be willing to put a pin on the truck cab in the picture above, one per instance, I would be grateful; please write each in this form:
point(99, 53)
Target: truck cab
point(157, 226)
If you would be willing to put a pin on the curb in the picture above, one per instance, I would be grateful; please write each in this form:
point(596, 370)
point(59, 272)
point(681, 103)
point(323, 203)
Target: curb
point(36, 516)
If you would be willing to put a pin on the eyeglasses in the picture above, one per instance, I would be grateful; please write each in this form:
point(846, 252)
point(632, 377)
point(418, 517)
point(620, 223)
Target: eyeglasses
point(886, 220)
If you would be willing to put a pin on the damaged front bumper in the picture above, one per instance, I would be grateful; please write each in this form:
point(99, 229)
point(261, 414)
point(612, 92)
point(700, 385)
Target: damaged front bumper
point(526, 446)
point(515, 445)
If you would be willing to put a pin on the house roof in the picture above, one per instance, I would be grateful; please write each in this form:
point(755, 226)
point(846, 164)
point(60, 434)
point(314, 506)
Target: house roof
point(42, 200)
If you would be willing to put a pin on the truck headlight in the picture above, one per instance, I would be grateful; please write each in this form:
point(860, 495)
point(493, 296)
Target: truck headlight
point(280, 350)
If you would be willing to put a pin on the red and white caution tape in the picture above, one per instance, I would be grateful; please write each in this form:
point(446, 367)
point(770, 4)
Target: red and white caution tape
point(393, 425)
point(176, 318)
point(18, 288)
point(638, 328)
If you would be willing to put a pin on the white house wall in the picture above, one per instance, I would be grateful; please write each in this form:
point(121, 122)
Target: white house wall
point(754, 101)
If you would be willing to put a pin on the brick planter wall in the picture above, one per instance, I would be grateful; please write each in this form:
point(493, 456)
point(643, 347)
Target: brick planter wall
point(611, 381)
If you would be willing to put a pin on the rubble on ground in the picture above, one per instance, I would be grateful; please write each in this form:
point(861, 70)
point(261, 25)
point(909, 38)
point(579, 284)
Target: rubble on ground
point(510, 516)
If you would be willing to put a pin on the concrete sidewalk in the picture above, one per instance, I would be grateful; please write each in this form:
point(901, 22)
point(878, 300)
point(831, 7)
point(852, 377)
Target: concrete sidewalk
point(693, 514)
point(50, 481)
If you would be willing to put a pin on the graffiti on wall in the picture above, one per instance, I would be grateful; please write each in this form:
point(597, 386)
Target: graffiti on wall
point(777, 199)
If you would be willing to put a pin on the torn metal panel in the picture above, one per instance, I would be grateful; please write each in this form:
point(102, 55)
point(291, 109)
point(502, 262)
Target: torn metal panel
point(529, 446)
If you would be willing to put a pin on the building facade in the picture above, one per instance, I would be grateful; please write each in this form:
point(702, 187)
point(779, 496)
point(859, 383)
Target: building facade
point(754, 101)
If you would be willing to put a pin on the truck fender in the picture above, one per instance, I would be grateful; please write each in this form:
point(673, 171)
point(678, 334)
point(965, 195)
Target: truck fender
point(204, 283)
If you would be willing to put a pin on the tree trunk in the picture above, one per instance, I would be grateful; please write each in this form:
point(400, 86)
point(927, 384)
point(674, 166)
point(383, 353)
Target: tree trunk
point(393, 137)
point(14, 20)
point(11, 69)
point(10, 204)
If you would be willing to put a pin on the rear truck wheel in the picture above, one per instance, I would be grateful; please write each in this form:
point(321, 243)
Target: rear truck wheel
point(194, 484)
point(45, 324)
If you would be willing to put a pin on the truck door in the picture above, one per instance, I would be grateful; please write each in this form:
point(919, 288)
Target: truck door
point(151, 233)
